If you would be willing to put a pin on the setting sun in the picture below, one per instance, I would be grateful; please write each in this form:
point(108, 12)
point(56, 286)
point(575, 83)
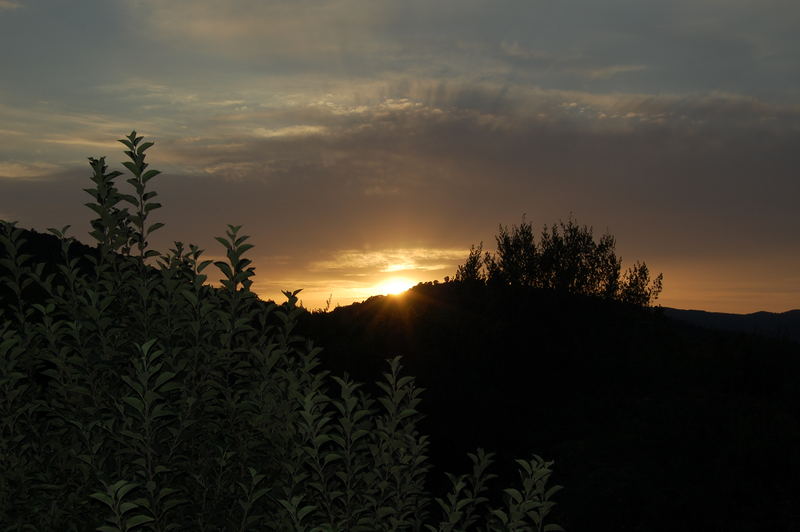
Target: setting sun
point(395, 285)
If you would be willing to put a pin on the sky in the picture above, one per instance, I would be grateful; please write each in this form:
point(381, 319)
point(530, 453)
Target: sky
point(364, 145)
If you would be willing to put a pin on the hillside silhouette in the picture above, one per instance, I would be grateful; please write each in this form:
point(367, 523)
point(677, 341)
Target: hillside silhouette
point(653, 424)
point(784, 325)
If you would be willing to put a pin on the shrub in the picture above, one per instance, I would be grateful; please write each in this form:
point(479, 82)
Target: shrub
point(140, 398)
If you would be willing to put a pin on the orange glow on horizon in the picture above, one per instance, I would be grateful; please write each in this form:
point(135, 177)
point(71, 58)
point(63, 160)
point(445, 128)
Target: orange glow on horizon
point(393, 286)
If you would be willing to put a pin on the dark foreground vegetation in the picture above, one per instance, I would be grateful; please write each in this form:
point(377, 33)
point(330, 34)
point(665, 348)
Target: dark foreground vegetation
point(140, 398)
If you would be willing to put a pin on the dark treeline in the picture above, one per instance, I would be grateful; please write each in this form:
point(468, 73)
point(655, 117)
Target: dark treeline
point(567, 259)
point(653, 424)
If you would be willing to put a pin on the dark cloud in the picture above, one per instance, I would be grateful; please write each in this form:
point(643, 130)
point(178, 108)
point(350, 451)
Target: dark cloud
point(328, 127)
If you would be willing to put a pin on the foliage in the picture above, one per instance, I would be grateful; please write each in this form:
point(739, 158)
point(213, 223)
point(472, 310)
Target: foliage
point(138, 398)
point(567, 259)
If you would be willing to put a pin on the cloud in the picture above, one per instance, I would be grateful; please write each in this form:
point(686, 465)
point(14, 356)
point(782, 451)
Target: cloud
point(304, 28)
point(446, 163)
point(290, 131)
point(343, 125)
point(611, 71)
point(359, 262)
point(78, 141)
point(16, 170)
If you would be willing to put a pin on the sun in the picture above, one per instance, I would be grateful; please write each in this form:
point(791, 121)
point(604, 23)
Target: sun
point(395, 285)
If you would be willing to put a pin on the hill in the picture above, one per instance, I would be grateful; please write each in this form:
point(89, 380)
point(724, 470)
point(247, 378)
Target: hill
point(774, 324)
point(654, 424)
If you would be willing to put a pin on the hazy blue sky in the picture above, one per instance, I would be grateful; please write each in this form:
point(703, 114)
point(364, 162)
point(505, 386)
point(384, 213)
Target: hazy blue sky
point(363, 141)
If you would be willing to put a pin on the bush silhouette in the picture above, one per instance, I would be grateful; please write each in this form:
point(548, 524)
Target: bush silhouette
point(567, 259)
point(137, 398)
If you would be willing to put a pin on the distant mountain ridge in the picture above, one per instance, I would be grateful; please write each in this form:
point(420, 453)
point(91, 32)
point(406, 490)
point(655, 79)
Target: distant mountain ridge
point(782, 325)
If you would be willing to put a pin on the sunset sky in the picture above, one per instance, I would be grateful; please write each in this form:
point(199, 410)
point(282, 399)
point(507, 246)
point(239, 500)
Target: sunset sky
point(368, 142)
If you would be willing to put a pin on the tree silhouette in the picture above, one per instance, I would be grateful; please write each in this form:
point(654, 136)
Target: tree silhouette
point(567, 259)
point(472, 269)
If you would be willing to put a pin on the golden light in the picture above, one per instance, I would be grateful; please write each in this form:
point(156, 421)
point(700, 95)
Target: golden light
point(395, 285)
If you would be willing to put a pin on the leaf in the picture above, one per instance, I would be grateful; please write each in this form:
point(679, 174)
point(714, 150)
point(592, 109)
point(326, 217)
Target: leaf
point(405, 413)
point(258, 494)
point(515, 494)
point(189, 296)
point(162, 378)
point(137, 387)
point(552, 491)
point(147, 176)
point(127, 506)
point(132, 167)
point(244, 247)
point(226, 269)
point(144, 147)
point(104, 498)
point(155, 226)
point(138, 520)
point(125, 488)
point(304, 511)
point(135, 403)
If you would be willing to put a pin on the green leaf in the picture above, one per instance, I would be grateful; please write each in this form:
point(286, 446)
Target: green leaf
point(137, 387)
point(515, 494)
point(244, 247)
point(304, 511)
point(552, 491)
point(226, 269)
point(154, 227)
point(126, 507)
point(104, 498)
point(148, 175)
point(162, 378)
point(223, 242)
point(125, 488)
point(135, 403)
point(258, 494)
point(131, 166)
point(144, 147)
point(138, 520)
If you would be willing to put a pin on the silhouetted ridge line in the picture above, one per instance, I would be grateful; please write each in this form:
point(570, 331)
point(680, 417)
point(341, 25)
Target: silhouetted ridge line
point(781, 325)
point(637, 408)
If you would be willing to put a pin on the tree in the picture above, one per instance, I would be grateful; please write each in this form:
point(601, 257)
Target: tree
point(515, 262)
point(636, 287)
point(566, 259)
point(472, 269)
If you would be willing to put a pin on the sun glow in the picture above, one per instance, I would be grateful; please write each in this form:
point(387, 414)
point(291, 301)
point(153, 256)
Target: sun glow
point(395, 285)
